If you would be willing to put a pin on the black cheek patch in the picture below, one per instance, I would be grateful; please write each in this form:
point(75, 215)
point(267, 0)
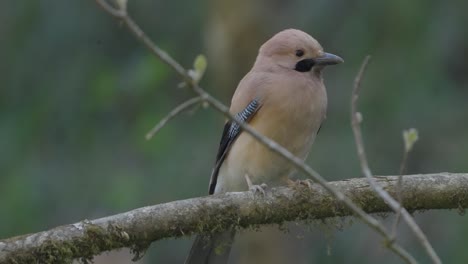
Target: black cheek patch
point(304, 65)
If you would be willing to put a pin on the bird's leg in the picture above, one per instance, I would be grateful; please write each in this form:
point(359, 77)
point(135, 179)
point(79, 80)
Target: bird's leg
point(255, 188)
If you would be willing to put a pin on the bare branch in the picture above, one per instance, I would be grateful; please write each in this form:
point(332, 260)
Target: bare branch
point(111, 10)
point(308, 171)
point(410, 137)
point(356, 119)
point(136, 229)
point(275, 147)
point(179, 109)
point(140, 35)
point(398, 194)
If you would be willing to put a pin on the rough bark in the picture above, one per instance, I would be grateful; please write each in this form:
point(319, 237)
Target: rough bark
point(136, 229)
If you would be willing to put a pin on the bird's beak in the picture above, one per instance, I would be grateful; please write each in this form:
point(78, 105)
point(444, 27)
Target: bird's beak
point(328, 59)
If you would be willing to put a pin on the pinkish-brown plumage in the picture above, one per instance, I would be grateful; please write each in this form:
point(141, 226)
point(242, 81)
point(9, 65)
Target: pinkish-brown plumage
point(286, 80)
point(293, 106)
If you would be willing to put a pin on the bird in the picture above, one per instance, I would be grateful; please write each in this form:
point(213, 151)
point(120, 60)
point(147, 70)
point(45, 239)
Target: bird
point(283, 97)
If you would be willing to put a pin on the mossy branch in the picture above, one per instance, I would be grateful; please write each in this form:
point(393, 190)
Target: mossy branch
point(121, 13)
point(138, 228)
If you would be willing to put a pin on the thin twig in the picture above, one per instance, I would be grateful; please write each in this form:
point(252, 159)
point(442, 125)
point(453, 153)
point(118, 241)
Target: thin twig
point(179, 109)
point(270, 144)
point(399, 193)
point(111, 10)
point(356, 119)
point(410, 137)
point(308, 171)
point(140, 35)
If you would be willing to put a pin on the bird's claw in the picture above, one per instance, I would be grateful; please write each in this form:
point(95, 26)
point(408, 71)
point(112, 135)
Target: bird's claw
point(258, 189)
point(307, 182)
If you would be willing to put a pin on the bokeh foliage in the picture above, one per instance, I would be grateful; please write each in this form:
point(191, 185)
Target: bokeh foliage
point(78, 93)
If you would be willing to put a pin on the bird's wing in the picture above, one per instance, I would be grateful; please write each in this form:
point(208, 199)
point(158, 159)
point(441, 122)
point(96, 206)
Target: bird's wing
point(231, 131)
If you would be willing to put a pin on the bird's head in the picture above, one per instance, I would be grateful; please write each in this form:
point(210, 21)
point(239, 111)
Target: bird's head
point(296, 50)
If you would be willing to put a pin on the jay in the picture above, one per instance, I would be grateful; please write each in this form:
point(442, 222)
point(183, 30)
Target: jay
point(284, 98)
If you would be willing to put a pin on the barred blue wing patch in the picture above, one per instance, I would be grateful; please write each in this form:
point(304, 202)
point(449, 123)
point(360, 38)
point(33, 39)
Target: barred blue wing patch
point(231, 131)
point(242, 116)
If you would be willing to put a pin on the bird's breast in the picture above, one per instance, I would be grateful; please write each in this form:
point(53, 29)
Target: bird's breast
point(292, 119)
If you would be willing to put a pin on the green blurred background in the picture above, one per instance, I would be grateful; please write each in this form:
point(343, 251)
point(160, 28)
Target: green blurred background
point(78, 93)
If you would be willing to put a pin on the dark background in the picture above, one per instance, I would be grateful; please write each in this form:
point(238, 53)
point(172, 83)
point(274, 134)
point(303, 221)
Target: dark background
point(78, 93)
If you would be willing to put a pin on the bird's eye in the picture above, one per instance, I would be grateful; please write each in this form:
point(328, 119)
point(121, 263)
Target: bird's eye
point(299, 53)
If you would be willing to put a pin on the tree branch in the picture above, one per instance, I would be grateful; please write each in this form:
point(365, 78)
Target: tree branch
point(270, 144)
point(179, 109)
point(136, 229)
point(356, 119)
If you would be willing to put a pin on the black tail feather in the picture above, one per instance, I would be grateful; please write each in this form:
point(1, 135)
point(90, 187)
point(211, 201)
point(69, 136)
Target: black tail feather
point(212, 249)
